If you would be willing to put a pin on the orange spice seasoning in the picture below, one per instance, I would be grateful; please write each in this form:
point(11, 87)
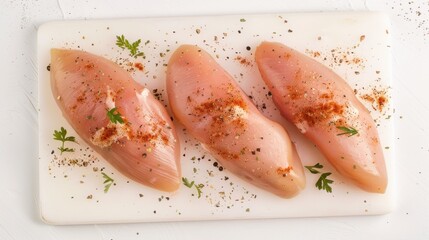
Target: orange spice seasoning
point(284, 171)
point(378, 99)
point(319, 112)
point(243, 61)
point(139, 66)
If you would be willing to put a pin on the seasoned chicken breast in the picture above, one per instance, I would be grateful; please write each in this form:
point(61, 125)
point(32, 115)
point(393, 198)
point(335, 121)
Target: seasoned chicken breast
point(325, 109)
point(117, 117)
point(209, 103)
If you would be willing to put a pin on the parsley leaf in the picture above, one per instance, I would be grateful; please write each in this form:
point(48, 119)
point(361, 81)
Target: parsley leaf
point(114, 116)
point(349, 131)
point(61, 135)
point(312, 168)
point(323, 182)
point(192, 184)
point(108, 182)
point(198, 187)
point(187, 183)
point(123, 43)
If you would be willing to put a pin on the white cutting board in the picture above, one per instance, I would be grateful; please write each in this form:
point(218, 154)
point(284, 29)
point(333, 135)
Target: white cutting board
point(73, 193)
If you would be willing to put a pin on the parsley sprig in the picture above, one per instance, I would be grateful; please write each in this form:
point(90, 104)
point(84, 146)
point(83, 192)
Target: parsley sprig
point(114, 116)
point(323, 181)
point(187, 183)
point(349, 131)
point(61, 135)
point(123, 43)
point(192, 184)
point(107, 182)
point(313, 169)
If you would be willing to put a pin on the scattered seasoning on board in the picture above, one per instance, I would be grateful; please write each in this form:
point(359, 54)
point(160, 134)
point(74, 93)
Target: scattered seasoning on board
point(340, 56)
point(243, 61)
point(73, 161)
point(128, 65)
point(378, 98)
point(139, 66)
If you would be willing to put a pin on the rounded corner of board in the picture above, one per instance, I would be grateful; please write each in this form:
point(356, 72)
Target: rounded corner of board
point(47, 218)
point(43, 28)
point(389, 207)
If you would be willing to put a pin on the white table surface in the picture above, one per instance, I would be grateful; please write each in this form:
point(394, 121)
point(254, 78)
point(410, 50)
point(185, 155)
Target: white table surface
point(18, 115)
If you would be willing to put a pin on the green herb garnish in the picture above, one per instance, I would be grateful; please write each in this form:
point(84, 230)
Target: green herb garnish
point(132, 47)
point(242, 20)
point(107, 183)
point(114, 116)
point(312, 168)
point(192, 184)
point(349, 131)
point(187, 183)
point(323, 182)
point(62, 136)
point(198, 187)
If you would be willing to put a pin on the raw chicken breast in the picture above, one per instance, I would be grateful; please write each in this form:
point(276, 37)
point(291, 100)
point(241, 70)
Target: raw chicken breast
point(214, 110)
point(322, 106)
point(144, 147)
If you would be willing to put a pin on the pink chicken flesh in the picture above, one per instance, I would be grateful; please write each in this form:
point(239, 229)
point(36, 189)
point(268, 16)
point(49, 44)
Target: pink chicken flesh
point(144, 147)
point(321, 105)
point(206, 99)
